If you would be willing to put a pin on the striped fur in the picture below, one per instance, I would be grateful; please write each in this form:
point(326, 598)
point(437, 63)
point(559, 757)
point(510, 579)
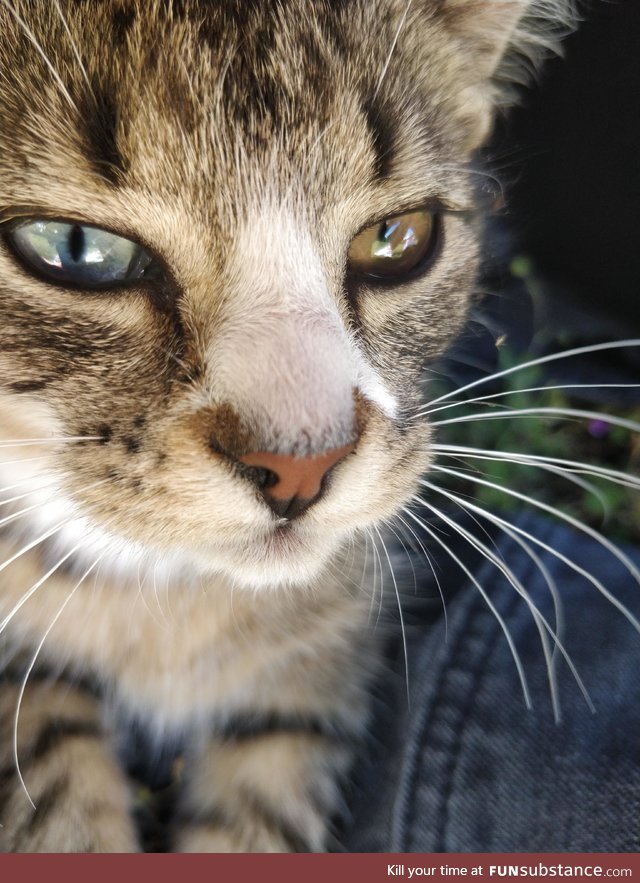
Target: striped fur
point(244, 144)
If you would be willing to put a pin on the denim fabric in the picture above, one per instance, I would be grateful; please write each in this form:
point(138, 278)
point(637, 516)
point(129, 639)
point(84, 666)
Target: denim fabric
point(467, 767)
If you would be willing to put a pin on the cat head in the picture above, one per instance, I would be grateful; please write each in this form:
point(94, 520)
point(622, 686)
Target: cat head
point(232, 234)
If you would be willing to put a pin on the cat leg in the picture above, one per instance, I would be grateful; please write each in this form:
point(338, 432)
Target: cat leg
point(82, 802)
point(269, 792)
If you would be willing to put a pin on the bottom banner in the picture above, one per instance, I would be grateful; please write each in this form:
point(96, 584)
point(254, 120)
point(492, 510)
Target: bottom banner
point(368, 868)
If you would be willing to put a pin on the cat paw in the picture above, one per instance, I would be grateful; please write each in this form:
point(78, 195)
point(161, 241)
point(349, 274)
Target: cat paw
point(66, 822)
point(246, 837)
point(71, 795)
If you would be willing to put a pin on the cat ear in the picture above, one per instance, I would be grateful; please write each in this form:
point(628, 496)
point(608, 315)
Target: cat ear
point(493, 29)
point(500, 43)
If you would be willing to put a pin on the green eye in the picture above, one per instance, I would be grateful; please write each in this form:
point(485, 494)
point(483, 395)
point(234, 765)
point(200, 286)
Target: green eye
point(78, 254)
point(396, 247)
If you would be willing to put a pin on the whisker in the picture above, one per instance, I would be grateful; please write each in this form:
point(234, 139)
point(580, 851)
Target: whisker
point(142, 597)
point(74, 47)
point(34, 543)
point(561, 557)
point(400, 614)
point(25, 442)
point(394, 43)
point(427, 558)
point(524, 459)
point(377, 568)
point(400, 536)
point(32, 664)
point(36, 45)
point(9, 518)
point(512, 647)
point(541, 360)
point(553, 591)
point(542, 624)
point(521, 390)
point(556, 513)
point(567, 474)
point(633, 425)
point(34, 588)
point(23, 460)
point(52, 482)
point(155, 591)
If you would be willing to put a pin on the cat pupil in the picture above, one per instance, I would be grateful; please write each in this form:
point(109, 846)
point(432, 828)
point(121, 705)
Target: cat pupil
point(76, 243)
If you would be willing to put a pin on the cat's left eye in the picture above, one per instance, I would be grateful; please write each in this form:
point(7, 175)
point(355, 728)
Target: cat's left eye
point(395, 248)
point(78, 254)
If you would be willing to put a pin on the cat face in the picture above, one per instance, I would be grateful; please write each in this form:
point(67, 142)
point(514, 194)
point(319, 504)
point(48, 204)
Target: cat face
point(232, 229)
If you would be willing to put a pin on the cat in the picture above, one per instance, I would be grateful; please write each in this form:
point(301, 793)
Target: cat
point(232, 235)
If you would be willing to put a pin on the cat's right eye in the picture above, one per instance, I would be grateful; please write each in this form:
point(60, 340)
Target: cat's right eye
point(78, 254)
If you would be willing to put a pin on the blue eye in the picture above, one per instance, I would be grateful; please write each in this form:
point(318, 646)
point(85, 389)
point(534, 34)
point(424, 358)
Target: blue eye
point(78, 254)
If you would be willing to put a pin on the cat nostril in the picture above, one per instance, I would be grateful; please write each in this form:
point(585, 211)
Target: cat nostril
point(262, 478)
point(298, 480)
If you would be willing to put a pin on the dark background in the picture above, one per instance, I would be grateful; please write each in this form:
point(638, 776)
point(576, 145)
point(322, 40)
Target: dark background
point(570, 155)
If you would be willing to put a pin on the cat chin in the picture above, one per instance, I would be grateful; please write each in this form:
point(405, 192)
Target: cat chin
point(287, 559)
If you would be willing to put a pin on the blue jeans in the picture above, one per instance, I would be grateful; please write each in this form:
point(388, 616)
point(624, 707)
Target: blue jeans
point(466, 767)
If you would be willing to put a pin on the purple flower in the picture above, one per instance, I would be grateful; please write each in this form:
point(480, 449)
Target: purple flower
point(598, 428)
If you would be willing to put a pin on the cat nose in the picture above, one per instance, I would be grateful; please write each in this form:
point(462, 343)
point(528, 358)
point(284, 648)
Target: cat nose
point(291, 484)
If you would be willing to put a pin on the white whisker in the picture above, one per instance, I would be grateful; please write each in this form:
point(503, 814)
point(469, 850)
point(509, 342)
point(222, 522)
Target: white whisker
point(25, 442)
point(36, 45)
point(542, 360)
point(561, 557)
point(34, 543)
point(377, 568)
point(74, 47)
point(15, 515)
point(23, 686)
point(394, 43)
point(427, 558)
point(520, 391)
point(542, 624)
point(400, 535)
point(625, 423)
point(52, 482)
point(512, 647)
point(34, 588)
point(556, 513)
point(573, 466)
point(566, 474)
point(23, 460)
point(400, 614)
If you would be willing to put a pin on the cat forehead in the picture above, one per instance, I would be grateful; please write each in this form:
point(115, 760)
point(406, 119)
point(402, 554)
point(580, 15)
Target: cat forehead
point(154, 93)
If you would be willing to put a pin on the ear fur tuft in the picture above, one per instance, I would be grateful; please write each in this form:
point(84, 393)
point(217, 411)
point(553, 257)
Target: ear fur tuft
point(510, 38)
point(503, 43)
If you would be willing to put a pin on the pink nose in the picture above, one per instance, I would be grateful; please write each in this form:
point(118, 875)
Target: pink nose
point(295, 482)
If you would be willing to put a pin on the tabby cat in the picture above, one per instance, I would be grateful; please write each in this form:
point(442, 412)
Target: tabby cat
point(231, 234)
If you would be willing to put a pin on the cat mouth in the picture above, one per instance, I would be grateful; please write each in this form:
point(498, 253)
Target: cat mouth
point(285, 555)
point(285, 539)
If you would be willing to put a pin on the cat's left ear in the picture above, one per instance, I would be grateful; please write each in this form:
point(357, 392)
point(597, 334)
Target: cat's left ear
point(489, 28)
point(499, 42)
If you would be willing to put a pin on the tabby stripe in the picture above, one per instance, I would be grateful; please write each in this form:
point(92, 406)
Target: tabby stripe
point(216, 818)
point(274, 820)
point(57, 731)
point(49, 737)
point(382, 137)
point(242, 727)
point(8, 781)
point(14, 674)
